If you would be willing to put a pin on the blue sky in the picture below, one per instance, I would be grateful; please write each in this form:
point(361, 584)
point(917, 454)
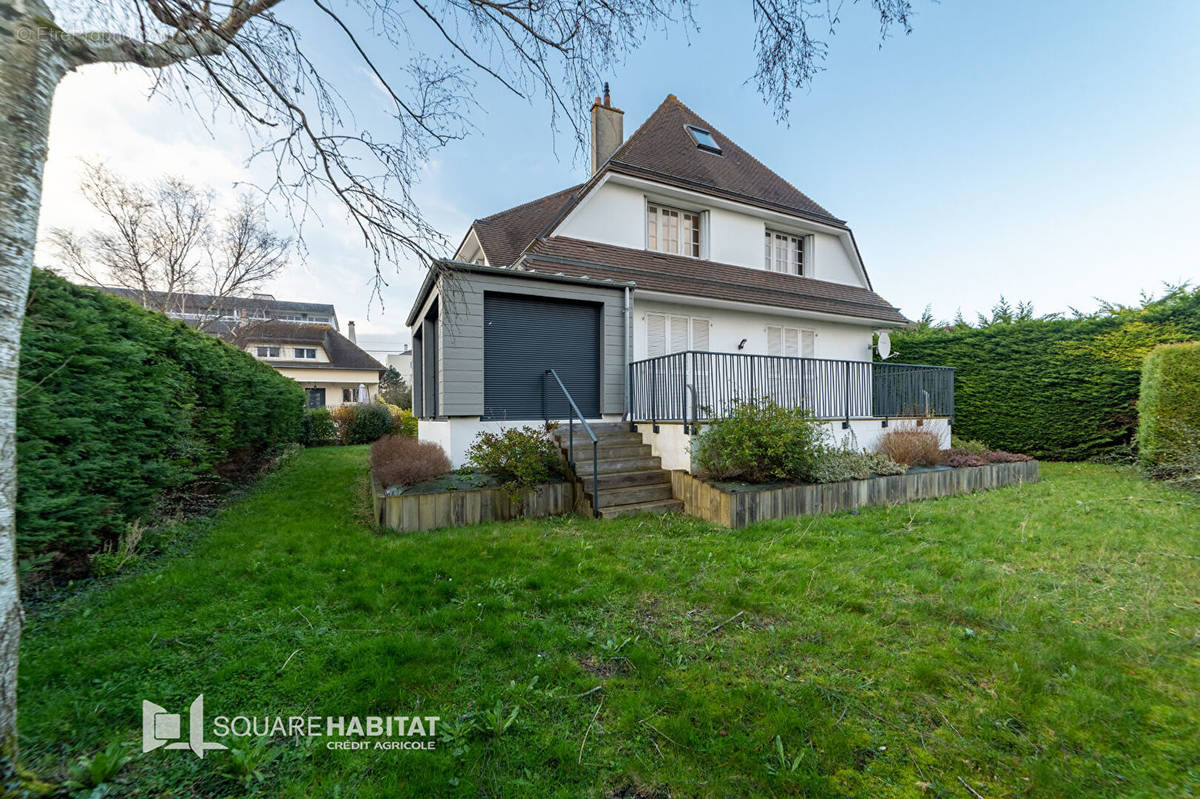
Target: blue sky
point(1044, 151)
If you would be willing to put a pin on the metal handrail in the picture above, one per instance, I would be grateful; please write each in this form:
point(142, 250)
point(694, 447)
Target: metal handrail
point(571, 442)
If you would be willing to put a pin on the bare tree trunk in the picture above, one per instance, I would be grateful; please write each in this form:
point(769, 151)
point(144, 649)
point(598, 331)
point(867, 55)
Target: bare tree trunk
point(31, 66)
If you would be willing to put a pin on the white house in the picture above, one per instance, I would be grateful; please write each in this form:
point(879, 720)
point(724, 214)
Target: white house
point(681, 276)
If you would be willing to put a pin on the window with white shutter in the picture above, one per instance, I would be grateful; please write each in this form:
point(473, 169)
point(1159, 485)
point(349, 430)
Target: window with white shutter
point(666, 334)
point(656, 335)
point(700, 334)
point(791, 341)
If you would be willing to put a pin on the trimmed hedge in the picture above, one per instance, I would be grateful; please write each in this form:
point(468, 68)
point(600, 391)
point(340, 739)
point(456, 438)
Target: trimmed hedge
point(117, 405)
point(1063, 389)
point(1169, 405)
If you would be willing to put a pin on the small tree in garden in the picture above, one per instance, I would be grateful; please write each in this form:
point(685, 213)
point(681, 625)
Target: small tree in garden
point(166, 239)
point(394, 390)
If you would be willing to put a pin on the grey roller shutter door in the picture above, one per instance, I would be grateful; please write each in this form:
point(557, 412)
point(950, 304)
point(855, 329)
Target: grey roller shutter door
point(525, 336)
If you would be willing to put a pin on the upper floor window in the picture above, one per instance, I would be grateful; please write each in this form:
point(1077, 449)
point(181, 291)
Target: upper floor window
point(785, 253)
point(306, 352)
point(672, 231)
point(268, 352)
point(704, 139)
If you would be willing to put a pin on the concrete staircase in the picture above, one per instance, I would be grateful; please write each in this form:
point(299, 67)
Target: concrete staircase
point(631, 479)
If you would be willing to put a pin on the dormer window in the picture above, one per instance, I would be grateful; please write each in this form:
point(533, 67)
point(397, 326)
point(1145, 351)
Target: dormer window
point(785, 253)
point(704, 139)
point(673, 231)
point(268, 352)
point(308, 353)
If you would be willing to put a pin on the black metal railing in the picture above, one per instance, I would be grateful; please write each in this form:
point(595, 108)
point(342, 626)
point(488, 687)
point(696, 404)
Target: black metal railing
point(587, 428)
point(698, 386)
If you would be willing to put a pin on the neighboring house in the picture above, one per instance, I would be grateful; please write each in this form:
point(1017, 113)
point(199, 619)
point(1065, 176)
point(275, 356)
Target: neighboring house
point(222, 314)
point(402, 363)
point(681, 276)
point(331, 368)
point(300, 339)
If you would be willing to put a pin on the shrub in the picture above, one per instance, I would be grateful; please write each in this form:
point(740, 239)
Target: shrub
point(520, 458)
point(968, 445)
point(1065, 389)
point(1000, 456)
point(760, 442)
point(911, 446)
point(317, 428)
point(370, 423)
point(1180, 462)
point(119, 406)
point(406, 424)
point(399, 461)
point(1169, 403)
point(343, 419)
point(957, 457)
point(848, 463)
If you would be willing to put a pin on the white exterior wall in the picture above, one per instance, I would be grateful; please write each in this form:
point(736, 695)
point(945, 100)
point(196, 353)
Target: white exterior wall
point(456, 434)
point(615, 213)
point(675, 447)
point(834, 340)
point(286, 351)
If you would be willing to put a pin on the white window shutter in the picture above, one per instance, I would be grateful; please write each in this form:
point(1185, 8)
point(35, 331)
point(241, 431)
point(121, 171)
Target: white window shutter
point(679, 333)
point(700, 334)
point(656, 335)
point(774, 340)
point(808, 343)
point(791, 341)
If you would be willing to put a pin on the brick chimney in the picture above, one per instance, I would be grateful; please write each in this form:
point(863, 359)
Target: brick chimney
point(350, 332)
point(608, 130)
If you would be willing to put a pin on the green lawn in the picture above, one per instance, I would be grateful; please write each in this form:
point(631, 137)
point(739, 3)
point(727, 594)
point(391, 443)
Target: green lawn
point(1042, 640)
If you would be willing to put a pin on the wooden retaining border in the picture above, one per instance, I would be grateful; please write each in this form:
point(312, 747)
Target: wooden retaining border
point(407, 513)
point(736, 509)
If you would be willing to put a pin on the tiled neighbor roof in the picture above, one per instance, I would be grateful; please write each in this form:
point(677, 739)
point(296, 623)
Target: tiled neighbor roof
point(678, 274)
point(343, 353)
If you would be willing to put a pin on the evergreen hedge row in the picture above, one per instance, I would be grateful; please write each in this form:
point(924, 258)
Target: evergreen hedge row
point(117, 405)
point(1060, 389)
point(1169, 405)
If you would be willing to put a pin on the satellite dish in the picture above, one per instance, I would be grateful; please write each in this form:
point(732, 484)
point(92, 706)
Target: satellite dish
point(884, 347)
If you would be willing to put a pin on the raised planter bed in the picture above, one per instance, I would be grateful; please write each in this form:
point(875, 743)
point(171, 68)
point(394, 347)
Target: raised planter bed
point(746, 505)
point(427, 510)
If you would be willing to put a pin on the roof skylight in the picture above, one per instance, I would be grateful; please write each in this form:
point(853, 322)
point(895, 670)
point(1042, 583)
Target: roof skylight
point(704, 139)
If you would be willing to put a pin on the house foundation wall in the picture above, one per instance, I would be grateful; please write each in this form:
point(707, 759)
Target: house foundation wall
point(674, 446)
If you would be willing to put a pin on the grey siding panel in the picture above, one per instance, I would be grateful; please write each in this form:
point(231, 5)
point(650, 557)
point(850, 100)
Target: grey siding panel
point(461, 336)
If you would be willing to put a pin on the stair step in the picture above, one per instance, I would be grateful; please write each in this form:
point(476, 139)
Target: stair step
point(603, 436)
point(625, 479)
point(630, 495)
point(583, 466)
point(608, 452)
point(654, 506)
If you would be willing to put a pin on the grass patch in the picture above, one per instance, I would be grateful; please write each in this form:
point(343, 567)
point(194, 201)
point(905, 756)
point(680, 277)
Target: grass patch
point(1035, 640)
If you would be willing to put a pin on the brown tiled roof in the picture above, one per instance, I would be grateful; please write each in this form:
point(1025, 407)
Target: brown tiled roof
point(662, 149)
point(693, 277)
point(343, 353)
point(504, 236)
